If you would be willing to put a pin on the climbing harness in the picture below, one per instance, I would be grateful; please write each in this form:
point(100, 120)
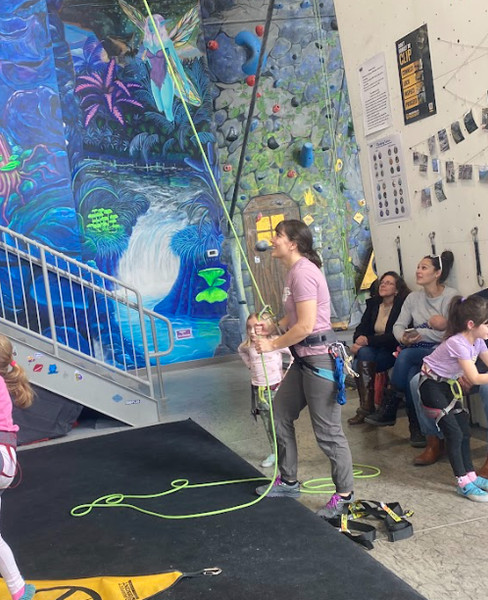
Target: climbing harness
point(391, 514)
point(8, 440)
point(342, 365)
point(455, 406)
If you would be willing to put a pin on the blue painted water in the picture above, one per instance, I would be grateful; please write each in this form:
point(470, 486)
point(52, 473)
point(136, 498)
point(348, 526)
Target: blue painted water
point(194, 338)
point(151, 267)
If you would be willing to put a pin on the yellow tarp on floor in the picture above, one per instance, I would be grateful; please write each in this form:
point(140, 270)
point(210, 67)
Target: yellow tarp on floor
point(101, 588)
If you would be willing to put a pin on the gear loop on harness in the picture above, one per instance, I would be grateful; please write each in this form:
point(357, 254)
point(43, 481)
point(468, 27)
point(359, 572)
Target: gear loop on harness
point(339, 355)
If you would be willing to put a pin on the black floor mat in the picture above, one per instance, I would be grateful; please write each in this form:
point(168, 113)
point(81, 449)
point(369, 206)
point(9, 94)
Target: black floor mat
point(276, 549)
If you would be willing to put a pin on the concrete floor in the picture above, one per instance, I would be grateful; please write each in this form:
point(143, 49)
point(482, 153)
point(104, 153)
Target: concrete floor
point(445, 558)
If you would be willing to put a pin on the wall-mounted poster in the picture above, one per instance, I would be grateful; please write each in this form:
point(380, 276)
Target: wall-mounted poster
point(416, 81)
point(389, 185)
point(374, 94)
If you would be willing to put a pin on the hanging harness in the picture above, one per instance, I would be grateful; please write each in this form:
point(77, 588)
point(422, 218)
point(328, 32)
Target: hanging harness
point(455, 406)
point(337, 352)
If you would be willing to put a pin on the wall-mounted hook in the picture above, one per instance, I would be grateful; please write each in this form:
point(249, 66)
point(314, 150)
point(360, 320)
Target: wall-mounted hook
point(474, 234)
point(399, 253)
point(432, 242)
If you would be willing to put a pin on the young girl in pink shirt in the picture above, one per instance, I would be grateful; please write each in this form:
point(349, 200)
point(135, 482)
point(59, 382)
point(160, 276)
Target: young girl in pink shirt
point(467, 328)
point(13, 384)
point(271, 373)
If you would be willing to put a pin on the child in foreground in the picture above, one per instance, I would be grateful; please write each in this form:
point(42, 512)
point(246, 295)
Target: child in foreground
point(467, 328)
point(13, 384)
point(260, 379)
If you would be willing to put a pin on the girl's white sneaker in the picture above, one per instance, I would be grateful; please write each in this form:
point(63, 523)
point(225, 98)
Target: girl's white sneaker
point(269, 461)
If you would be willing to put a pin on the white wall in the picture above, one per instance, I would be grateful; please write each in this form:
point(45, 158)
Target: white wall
point(370, 27)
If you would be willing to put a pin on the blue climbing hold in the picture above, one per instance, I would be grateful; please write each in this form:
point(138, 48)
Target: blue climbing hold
point(253, 46)
point(307, 155)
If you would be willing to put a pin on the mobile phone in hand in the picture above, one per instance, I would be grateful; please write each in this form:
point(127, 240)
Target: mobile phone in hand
point(411, 332)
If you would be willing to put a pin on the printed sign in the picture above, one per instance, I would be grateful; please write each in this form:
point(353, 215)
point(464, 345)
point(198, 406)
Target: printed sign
point(184, 334)
point(416, 81)
point(389, 184)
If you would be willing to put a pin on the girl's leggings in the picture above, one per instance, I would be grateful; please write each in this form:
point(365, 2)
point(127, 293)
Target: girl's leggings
point(454, 426)
point(8, 567)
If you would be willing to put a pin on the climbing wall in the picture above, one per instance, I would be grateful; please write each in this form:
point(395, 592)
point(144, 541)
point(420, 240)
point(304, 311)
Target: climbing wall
point(286, 128)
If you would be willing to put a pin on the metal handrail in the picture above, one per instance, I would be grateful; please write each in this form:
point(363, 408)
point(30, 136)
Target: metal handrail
point(88, 302)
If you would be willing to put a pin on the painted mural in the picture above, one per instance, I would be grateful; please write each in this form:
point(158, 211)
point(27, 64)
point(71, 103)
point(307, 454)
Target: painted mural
point(98, 157)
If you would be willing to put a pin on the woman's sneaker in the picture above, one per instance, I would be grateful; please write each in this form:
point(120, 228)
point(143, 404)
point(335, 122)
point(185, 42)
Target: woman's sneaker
point(336, 506)
point(280, 489)
point(473, 492)
point(268, 461)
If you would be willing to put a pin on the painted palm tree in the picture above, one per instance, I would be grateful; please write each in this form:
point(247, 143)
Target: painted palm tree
point(103, 93)
point(162, 85)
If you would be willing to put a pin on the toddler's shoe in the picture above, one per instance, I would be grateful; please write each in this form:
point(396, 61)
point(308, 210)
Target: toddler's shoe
point(280, 489)
point(482, 483)
point(473, 492)
point(29, 592)
point(268, 461)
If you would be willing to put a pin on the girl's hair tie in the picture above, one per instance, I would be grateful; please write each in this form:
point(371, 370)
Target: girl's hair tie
point(463, 299)
point(13, 363)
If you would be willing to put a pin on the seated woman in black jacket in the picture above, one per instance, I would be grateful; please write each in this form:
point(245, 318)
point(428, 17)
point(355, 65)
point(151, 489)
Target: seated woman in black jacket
point(374, 342)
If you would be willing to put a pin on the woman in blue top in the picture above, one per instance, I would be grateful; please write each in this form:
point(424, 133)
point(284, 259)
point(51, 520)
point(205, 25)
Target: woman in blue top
point(440, 392)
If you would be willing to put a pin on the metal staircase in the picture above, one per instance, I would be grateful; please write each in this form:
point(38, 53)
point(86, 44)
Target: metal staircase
point(81, 333)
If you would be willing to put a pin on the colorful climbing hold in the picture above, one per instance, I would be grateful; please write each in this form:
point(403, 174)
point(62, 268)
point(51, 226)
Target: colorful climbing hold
point(227, 168)
point(259, 29)
point(251, 80)
point(212, 45)
point(276, 108)
point(291, 173)
point(231, 135)
point(272, 143)
point(307, 155)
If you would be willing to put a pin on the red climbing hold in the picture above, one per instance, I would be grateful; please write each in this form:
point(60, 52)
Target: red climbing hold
point(276, 108)
point(227, 168)
point(212, 45)
point(291, 173)
point(251, 80)
point(259, 29)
